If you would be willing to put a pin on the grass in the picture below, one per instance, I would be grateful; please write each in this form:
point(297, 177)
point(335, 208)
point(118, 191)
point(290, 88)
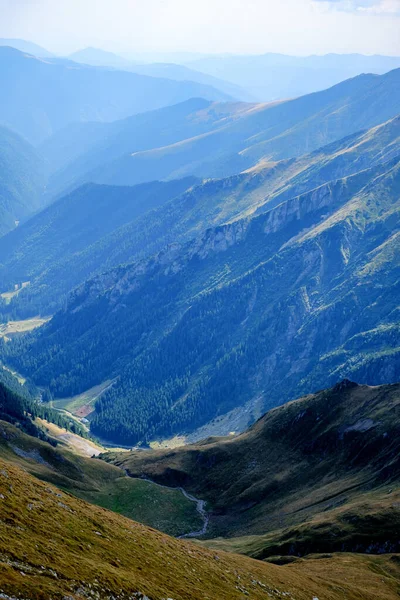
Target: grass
point(73, 442)
point(69, 467)
point(8, 296)
point(305, 478)
point(53, 545)
point(16, 327)
point(82, 404)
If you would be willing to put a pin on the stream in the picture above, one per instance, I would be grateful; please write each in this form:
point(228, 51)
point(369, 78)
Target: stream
point(200, 507)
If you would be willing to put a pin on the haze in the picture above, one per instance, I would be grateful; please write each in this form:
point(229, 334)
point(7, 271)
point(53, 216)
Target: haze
point(209, 26)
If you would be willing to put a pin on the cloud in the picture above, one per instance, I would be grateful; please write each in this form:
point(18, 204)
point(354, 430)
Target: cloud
point(369, 7)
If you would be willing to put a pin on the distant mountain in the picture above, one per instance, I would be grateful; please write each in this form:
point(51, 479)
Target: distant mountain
point(25, 46)
point(277, 76)
point(224, 324)
point(74, 152)
point(60, 94)
point(101, 58)
point(44, 252)
point(263, 133)
point(69, 227)
point(316, 475)
point(22, 180)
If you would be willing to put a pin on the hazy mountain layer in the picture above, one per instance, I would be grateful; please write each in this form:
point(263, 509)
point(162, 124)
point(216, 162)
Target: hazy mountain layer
point(46, 253)
point(288, 76)
point(97, 57)
point(74, 152)
point(266, 133)
point(60, 94)
point(22, 180)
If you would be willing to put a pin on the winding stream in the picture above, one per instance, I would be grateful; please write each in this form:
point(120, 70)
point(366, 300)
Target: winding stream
point(200, 507)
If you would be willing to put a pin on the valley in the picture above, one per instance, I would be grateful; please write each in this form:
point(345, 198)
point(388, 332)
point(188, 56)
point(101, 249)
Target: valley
point(199, 302)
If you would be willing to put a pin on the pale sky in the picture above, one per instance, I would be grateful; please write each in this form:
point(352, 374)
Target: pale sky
point(209, 26)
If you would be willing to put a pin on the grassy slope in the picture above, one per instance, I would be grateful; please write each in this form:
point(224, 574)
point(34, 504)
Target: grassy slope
point(319, 474)
point(99, 483)
point(53, 545)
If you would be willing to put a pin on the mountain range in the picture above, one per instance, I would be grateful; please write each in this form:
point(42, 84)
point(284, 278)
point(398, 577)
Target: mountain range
point(321, 250)
point(289, 76)
point(239, 138)
point(199, 326)
point(62, 93)
point(41, 251)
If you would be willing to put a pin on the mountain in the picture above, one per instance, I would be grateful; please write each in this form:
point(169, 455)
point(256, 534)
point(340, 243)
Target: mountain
point(60, 94)
point(265, 133)
point(101, 58)
point(27, 47)
point(92, 215)
point(41, 251)
point(246, 315)
point(53, 545)
point(276, 76)
point(320, 474)
point(75, 151)
point(22, 180)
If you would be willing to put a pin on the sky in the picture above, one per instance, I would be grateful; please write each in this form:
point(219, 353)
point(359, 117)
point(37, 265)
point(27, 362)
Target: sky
point(297, 27)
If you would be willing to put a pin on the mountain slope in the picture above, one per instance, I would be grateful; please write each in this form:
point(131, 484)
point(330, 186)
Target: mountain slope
point(75, 222)
point(95, 481)
point(55, 547)
point(249, 314)
point(22, 180)
point(319, 474)
point(74, 152)
point(268, 132)
point(60, 94)
point(210, 204)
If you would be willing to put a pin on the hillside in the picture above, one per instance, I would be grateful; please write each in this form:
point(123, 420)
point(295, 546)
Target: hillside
point(22, 180)
point(229, 321)
point(268, 132)
point(62, 93)
point(108, 556)
point(96, 481)
point(41, 250)
point(320, 474)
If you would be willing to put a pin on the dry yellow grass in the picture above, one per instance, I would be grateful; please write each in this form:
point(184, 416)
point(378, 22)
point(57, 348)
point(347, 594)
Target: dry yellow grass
point(53, 545)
